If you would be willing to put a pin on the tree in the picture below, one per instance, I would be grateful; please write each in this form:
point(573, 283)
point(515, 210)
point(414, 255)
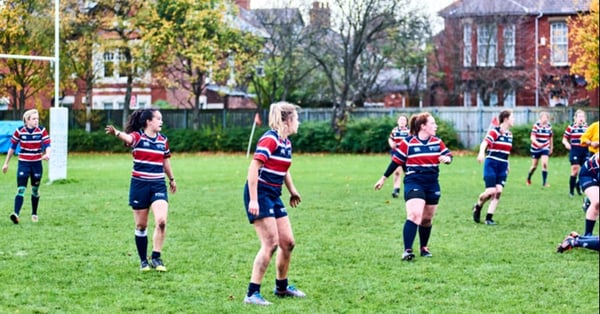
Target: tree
point(23, 26)
point(79, 35)
point(353, 53)
point(120, 36)
point(584, 44)
point(193, 44)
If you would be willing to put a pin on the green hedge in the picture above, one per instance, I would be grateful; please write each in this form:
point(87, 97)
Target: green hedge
point(521, 141)
point(362, 136)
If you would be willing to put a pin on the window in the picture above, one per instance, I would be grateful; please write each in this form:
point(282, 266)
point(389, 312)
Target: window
point(109, 64)
point(509, 45)
point(467, 46)
point(486, 45)
point(107, 105)
point(559, 43)
point(493, 100)
point(510, 98)
point(467, 99)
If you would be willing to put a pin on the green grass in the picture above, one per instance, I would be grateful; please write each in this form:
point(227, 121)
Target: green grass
point(81, 258)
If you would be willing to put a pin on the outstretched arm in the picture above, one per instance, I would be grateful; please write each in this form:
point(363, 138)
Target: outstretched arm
point(125, 137)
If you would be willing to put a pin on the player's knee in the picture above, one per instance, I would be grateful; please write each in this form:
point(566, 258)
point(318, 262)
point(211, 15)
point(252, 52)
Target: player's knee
point(162, 224)
point(288, 245)
point(21, 191)
point(426, 222)
point(497, 195)
point(141, 227)
point(35, 191)
point(273, 249)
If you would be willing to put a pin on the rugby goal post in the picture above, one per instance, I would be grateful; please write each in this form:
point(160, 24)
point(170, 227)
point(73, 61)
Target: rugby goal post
point(59, 117)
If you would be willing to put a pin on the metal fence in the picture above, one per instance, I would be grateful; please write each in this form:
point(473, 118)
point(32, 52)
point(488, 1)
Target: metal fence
point(470, 123)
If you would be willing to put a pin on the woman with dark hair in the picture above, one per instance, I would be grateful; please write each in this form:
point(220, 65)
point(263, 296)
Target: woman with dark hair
point(148, 190)
point(498, 143)
point(420, 155)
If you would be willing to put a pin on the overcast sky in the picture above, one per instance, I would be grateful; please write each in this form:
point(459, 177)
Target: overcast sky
point(430, 6)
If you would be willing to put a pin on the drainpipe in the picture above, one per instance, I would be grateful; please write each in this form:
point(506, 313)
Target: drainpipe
point(537, 61)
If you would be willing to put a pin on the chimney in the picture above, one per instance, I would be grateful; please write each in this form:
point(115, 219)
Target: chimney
point(320, 15)
point(243, 4)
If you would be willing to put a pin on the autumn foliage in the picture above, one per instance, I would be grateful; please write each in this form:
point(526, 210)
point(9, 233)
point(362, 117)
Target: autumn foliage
point(584, 38)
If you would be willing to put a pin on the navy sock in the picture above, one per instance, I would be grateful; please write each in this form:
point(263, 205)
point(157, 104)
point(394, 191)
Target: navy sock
point(141, 243)
point(34, 204)
point(530, 174)
point(572, 181)
point(424, 233)
point(589, 227)
point(544, 176)
point(155, 254)
point(252, 287)
point(489, 216)
point(591, 243)
point(281, 284)
point(18, 204)
point(409, 233)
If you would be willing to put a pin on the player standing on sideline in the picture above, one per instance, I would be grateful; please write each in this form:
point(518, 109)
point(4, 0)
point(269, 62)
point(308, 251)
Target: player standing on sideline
point(498, 143)
point(420, 154)
point(148, 191)
point(268, 171)
point(589, 179)
point(578, 153)
point(399, 132)
point(35, 147)
point(541, 146)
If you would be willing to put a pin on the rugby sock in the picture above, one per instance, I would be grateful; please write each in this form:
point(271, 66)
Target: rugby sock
point(281, 284)
point(530, 174)
point(544, 176)
point(591, 243)
point(409, 233)
point(589, 227)
point(252, 287)
point(155, 254)
point(572, 181)
point(424, 233)
point(18, 204)
point(489, 216)
point(141, 243)
point(34, 204)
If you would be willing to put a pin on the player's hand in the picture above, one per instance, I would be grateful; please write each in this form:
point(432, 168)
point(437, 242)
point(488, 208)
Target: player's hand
point(295, 200)
point(380, 183)
point(4, 168)
point(253, 208)
point(173, 186)
point(109, 129)
point(445, 159)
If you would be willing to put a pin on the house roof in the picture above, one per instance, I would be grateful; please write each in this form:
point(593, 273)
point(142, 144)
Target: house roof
point(464, 8)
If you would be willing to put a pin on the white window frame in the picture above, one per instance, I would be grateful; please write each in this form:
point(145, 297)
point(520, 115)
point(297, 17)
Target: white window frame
point(467, 45)
point(510, 98)
point(509, 36)
point(467, 99)
point(487, 44)
point(559, 43)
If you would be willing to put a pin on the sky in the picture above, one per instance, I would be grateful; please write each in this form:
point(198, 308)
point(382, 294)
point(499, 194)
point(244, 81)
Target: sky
point(430, 6)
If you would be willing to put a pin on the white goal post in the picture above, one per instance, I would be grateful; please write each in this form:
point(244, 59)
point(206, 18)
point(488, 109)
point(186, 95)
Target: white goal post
point(59, 117)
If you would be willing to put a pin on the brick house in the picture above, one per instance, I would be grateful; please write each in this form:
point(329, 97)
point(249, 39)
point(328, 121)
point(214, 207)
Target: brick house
point(507, 53)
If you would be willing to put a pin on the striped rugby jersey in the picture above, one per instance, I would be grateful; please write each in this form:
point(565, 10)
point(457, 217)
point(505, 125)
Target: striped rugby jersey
point(420, 156)
point(33, 142)
point(573, 134)
point(499, 144)
point(149, 155)
point(398, 134)
point(543, 134)
point(276, 155)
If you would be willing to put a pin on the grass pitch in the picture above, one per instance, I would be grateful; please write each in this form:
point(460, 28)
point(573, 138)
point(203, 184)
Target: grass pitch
point(80, 257)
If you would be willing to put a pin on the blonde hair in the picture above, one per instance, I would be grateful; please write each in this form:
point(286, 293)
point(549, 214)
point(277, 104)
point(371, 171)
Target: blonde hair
point(578, 112)
point(279, 113)
point(28, 114)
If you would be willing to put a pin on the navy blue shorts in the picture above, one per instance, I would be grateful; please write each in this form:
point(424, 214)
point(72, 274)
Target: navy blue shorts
point(422, 188)
point(269, 202)
point(494, 172)
point(587, 179)
point(578, 155)
point(27, 170)
point(537, 154)
point(143, 193)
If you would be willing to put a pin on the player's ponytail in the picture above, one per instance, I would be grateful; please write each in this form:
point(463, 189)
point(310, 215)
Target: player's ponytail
point(416, 121)
point(138, 119)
